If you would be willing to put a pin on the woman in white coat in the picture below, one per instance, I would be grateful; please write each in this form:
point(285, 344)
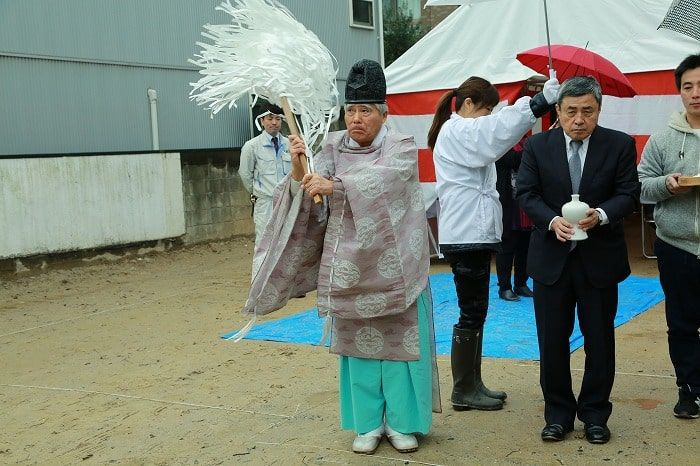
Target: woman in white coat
point(466, 144)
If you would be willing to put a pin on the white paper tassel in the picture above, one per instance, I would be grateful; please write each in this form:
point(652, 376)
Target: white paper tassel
point(267, 52)
point(327, 327)
point(242, 333)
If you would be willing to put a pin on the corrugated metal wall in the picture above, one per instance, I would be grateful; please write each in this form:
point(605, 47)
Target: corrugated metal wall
point(63, 107)
point(74, 73)
point(56, 204)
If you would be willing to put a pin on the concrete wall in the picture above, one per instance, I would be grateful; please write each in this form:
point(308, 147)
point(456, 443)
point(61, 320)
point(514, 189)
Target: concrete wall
point(59, 204)
point(216, 204)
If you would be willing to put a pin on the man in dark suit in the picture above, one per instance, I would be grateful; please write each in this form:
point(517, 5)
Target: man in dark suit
point(597, 163)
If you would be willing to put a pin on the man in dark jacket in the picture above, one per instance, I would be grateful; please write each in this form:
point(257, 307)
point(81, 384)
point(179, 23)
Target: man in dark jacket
point(598, 164)
point(516, 231)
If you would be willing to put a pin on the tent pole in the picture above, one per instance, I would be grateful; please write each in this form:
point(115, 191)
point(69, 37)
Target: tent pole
point(549, 44)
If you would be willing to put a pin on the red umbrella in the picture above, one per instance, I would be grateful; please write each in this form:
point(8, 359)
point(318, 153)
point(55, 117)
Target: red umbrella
point(572, 61)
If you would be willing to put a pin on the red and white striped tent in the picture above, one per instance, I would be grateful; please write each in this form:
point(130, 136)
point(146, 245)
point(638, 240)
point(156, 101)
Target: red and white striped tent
point(484, 38)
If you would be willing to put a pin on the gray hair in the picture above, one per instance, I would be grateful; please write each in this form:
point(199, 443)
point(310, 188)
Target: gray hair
point(579, 86)
point(382, 108)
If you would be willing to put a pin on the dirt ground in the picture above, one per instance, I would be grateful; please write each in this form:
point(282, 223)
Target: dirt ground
point(120, 362)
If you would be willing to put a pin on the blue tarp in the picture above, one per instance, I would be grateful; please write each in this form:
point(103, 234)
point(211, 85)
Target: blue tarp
point(510, 326)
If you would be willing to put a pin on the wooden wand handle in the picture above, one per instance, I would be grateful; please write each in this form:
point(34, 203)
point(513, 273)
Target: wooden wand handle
point(291, 122)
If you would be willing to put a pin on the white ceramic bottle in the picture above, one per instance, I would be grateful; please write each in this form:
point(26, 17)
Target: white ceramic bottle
point(573, 211)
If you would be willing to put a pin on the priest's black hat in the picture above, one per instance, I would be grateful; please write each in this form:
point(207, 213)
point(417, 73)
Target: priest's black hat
point(366, 83)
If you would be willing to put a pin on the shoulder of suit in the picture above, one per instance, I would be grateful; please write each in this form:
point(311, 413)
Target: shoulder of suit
point(544, 136)
point(612, 133)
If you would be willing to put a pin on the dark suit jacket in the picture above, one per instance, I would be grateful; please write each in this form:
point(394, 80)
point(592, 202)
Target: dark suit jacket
point(504, 166)
point(609, 181)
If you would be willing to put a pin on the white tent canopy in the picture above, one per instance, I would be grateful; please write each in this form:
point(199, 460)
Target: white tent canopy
point(482, 39)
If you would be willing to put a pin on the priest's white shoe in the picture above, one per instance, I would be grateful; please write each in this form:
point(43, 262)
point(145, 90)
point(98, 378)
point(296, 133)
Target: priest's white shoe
point(403, 443)
point(367, 444)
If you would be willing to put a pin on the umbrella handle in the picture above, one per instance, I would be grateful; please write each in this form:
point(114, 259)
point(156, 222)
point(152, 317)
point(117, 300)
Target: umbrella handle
point(291, 121)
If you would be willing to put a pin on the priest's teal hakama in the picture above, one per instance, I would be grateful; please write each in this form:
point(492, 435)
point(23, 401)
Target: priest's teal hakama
point(407, 401)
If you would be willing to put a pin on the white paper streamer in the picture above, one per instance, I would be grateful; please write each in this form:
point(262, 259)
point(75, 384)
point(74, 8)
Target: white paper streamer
point(267, 52)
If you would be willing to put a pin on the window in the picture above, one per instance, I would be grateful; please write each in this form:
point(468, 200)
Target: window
point(362, 13)
point(409, 7)
point(412, 7)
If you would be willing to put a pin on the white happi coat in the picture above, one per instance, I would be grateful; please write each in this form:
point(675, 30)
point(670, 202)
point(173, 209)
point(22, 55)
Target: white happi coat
point(465, 157)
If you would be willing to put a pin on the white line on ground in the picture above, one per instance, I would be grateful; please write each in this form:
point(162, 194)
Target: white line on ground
point(140, 398)
point(446, 360)
point(633, 374)
point(637, 374)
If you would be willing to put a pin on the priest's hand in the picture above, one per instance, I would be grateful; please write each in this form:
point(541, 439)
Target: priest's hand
point(297, 150)
point(313, 184)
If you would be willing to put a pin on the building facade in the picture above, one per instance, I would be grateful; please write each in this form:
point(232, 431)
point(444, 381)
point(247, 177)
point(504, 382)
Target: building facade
point(428, 17)
point(76, 74)
point(95, 94)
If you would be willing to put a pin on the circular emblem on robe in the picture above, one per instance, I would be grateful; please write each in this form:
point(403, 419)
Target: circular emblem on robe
point(369, 340)
point(417, 202)
point(405, 167)
point(370, 304)
point(415, 243)
point(411, 340)
point(268, 298)
point(345, 273)
point(370, 184)
point(397, 210)
point(366, 232)
point(389, 265)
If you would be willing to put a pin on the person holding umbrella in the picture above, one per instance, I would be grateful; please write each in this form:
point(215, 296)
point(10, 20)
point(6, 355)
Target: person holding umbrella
point(466, 144)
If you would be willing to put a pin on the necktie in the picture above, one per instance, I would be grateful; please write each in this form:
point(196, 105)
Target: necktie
point(575, 165)
point(276, 144)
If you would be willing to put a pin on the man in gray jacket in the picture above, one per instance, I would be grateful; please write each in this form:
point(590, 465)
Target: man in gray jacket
point(265, 161)
point(670, 154)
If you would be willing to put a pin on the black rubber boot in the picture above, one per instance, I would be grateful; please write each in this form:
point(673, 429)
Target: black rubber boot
point(498, 394)
point(466, 393)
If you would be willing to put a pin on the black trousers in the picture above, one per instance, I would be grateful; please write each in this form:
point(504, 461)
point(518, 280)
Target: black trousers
point(679, 272)
point(471, 270)
point(555, 309)
point(513, 256)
